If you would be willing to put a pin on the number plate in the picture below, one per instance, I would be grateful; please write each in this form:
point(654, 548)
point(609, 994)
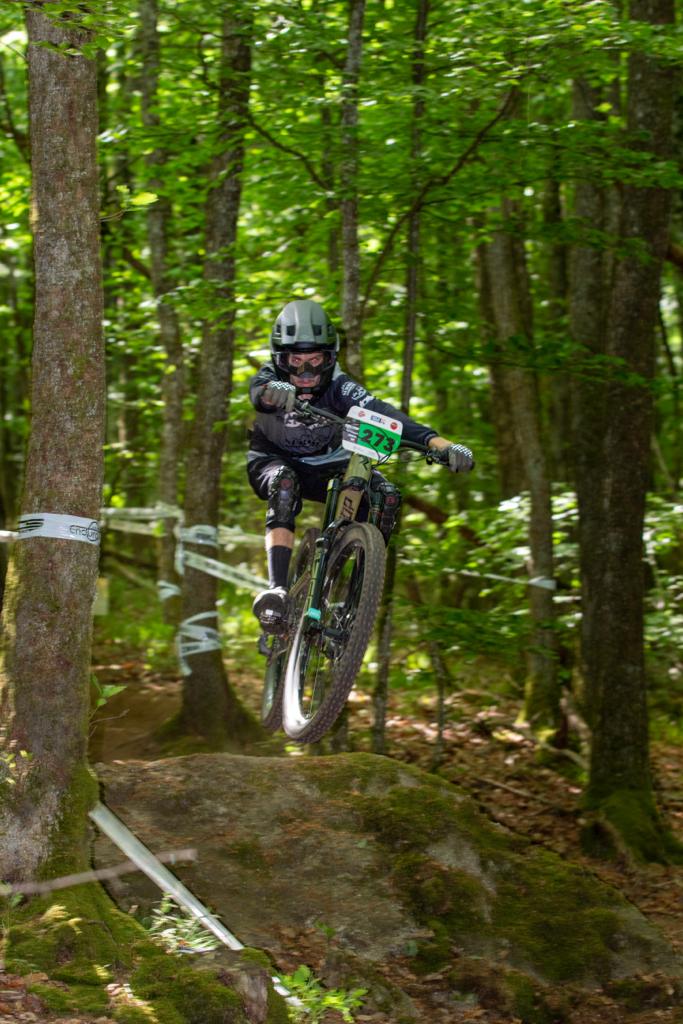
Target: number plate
point(371, 433)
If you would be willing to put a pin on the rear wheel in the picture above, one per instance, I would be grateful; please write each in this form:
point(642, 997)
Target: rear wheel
point(326, 654)
point(271, 698)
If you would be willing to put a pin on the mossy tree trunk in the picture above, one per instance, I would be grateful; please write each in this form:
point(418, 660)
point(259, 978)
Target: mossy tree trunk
point(48, 616)
point(210, 707)
point(620, 784)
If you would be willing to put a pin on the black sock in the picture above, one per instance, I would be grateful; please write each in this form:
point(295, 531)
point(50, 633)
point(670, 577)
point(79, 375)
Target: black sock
point(278, 565)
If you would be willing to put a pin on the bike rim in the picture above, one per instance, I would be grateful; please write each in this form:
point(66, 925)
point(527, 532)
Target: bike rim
point(319, 652)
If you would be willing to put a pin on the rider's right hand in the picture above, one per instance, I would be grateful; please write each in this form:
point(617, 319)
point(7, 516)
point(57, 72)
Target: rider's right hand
point(279, 395)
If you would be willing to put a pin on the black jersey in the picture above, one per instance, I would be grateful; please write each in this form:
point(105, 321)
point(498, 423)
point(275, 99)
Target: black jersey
point(314, 440)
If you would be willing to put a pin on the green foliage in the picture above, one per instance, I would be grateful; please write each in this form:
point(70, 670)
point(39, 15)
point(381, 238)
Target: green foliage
point(103, 692)
point(134, 626)
point(178, 931)
point(316, 1000)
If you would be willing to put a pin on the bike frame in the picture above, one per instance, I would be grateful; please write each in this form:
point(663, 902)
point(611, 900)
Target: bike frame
point(343, 500)
point(344, 494)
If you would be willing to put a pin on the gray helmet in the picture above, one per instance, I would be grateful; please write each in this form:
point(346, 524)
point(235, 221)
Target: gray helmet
point(303, 326)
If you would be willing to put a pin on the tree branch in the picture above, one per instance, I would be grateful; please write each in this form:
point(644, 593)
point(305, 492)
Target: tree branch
point(66, 881)
point(290, 151)
point(136, 263)
point(437, 181)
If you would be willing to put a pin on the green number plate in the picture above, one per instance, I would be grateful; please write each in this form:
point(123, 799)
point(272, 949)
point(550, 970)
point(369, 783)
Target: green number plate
point(371, 433)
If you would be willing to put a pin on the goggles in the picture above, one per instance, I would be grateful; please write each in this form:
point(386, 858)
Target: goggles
point(282, 361)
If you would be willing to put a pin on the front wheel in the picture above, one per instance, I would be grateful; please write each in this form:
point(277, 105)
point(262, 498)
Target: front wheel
point(271, 697)
point(326, 654)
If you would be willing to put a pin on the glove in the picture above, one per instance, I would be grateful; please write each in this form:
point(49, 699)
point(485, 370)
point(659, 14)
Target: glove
point(279, 394)
point(458, 458)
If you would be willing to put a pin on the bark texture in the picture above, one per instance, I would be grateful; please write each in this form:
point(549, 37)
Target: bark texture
point(613, 576)
point(385, 618)
point(158, 225)
point(48, 619)
point(505, 268)
point(348, 183)
point(210, 707)
point(558, 392)
point(512, 478)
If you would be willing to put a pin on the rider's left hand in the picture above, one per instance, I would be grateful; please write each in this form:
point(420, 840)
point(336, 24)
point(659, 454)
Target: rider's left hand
point(457, 457)
point(460, 458)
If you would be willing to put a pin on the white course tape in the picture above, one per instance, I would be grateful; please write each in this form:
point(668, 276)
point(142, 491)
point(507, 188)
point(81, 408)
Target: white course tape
point(153, 529)
point(543, 582)
point(7, 535)
point(160, 511)
point(229, 536)
point(167, 590)
point(129, 844)
point(212, 567)
point(51, 524)
point(199, 535)
point(536, 581)
point(195, 638)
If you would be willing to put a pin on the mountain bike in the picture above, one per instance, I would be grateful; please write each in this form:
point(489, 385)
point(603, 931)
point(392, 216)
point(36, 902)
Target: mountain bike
point(334, 588)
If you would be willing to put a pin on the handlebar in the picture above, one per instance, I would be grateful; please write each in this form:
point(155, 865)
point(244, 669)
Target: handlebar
point(432, 454)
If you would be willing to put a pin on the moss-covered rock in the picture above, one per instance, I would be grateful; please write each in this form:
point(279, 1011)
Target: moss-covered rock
point(496, 987)
point(389, 861)
point(99, 960)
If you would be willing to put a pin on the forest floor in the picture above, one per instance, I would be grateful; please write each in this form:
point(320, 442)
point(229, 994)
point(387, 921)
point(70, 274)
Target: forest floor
point(485, 754)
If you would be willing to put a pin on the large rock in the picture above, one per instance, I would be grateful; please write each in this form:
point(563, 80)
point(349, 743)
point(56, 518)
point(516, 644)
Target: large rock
point(390, 860)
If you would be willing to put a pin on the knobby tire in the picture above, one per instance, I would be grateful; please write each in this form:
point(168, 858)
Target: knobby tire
point(271, 698)
point(364, 544)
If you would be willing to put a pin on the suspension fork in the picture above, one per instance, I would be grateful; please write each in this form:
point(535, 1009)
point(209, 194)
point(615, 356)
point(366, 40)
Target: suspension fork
point(343, 499)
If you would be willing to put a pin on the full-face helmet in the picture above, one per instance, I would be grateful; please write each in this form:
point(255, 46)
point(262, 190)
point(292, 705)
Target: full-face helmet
point(303, 326)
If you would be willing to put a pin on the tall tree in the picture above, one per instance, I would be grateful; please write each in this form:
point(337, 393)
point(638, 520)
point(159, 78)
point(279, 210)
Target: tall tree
point(620, 784)
point(210, 708)
point(507, 285)
point(158, 232)
point(49, 611)
point(385, 619)
point(348, 185)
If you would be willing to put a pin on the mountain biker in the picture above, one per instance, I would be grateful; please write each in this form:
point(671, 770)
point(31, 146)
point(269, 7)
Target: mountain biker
point(294, 455)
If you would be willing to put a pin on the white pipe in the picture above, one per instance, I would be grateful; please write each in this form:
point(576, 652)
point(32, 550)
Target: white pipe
point(129, 844)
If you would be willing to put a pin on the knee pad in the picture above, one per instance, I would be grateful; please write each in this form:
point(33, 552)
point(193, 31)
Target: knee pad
point(284, 499)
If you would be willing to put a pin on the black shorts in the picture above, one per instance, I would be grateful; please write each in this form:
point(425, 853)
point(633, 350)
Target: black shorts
point(313, 480)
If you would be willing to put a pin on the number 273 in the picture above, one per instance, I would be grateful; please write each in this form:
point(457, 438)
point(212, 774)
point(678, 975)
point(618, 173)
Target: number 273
point(377, 439)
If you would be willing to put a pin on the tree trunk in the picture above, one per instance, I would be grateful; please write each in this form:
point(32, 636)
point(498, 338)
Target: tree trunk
point(589, 283)
point(512, 478)
point(348, 183)
point(49, 611)
point(558, 391)
point(385, 619)
point(158, 222)
point(620, 784)
point(510, 305)
point(209, 706)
